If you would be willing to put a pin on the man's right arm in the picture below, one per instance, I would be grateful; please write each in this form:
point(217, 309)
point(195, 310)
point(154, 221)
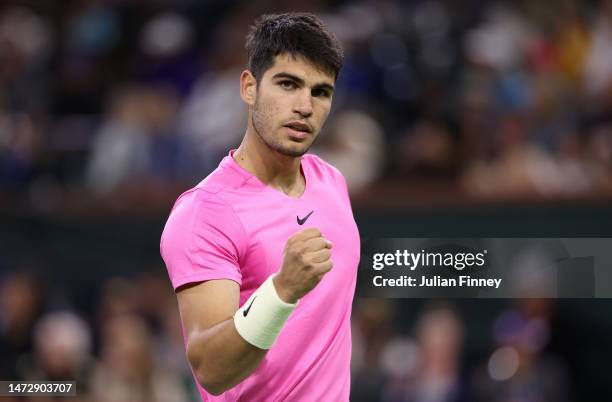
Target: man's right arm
point(219, 356)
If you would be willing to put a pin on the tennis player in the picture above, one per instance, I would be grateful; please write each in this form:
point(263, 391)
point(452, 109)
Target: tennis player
point(263, 253)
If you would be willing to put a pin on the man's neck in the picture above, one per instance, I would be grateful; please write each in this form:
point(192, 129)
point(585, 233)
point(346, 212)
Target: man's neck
point(272, 168)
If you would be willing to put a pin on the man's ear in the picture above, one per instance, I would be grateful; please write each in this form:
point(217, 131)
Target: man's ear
point(248, 87)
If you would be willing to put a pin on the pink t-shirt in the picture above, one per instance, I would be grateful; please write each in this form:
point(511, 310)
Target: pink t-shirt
point(232, 226)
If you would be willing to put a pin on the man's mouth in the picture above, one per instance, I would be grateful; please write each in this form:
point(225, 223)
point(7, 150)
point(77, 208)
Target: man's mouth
point(299, 126)
point(298, 130)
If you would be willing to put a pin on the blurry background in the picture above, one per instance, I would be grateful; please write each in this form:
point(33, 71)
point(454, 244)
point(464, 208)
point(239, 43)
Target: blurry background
point(473, 118)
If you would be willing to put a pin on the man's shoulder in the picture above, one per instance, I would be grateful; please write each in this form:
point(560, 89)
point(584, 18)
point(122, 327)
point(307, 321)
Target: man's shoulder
point(324, 170)
point(209, 193)
point(199, 210)
point(223, 178)
point(321, 165)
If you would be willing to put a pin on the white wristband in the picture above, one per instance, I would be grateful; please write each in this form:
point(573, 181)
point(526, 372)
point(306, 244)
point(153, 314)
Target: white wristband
point(261, 318)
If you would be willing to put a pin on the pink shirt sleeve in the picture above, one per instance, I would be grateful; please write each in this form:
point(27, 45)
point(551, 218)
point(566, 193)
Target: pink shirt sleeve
point(202, 240)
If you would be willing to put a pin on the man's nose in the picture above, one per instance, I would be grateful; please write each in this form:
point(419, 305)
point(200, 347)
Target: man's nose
point(303, 104)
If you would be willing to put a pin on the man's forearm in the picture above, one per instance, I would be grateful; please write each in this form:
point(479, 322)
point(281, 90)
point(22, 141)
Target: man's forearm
point(221, 358)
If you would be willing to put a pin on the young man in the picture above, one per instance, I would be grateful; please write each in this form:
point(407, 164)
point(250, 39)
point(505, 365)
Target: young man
point(261, 232)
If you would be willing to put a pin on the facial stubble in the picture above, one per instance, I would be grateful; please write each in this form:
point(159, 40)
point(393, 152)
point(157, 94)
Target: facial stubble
point(258, 118)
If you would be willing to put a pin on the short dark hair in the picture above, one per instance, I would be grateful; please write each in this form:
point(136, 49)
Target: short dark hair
point(296, 34)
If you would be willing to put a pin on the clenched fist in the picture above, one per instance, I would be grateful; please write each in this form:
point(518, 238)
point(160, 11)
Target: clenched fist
point(307, 258)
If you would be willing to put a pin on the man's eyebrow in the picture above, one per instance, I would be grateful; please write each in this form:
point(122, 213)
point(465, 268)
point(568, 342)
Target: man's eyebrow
point(289, 76)
point(324, 86)
point(300, 81)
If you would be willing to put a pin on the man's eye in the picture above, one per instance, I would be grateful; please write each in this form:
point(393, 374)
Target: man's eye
point(320, 93)
point(287, 84)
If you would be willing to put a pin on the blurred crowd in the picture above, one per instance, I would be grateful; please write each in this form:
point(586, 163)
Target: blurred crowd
point(427, 363)
point(125, 345)
point(488, 98)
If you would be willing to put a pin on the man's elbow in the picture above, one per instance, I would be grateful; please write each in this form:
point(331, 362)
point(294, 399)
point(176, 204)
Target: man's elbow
point(208, 382)
point(206, 377)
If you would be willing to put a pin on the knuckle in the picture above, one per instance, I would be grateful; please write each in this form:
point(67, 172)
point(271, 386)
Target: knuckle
point(294, 247)
point(309, 245)
point(313, 231)
point(315, 244)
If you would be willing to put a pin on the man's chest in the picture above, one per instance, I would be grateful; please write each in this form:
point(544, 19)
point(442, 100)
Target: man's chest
point(270, 222)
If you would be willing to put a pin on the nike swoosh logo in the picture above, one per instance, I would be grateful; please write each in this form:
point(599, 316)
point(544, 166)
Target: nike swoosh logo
point(303, 220)
point(246, 310)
